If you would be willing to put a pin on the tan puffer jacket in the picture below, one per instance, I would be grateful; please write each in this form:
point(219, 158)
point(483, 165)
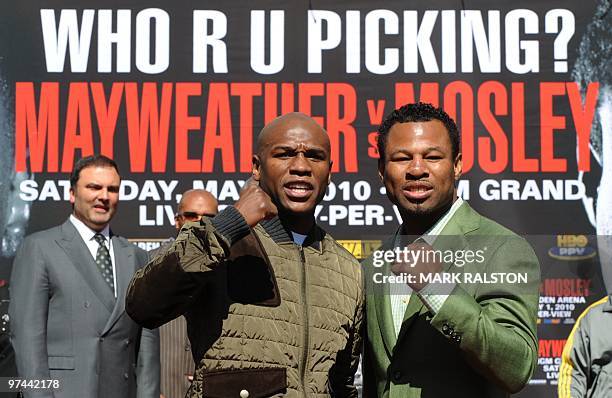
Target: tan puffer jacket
point(283, 322)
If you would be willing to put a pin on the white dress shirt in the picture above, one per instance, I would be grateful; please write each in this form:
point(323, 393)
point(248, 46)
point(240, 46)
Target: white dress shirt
point(87, 234)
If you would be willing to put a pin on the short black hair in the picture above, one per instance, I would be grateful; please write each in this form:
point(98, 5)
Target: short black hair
point(417, 112)
point(90, 161)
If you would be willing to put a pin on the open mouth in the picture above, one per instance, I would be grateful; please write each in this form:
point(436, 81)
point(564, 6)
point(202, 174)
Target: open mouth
point(298, 190)
point(417, 191)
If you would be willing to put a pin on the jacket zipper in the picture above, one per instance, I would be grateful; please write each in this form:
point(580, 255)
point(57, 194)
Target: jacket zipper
point(304, 322)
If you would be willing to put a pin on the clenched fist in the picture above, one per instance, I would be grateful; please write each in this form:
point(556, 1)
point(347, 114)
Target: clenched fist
point(417, 259)
point(254, 204)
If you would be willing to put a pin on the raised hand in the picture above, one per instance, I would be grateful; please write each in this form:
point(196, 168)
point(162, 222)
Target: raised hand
point(254, 204)
point(420, 264)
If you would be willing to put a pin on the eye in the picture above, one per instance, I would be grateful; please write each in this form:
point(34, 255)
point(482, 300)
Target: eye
point(401, 158)
point(315, 155)
point(434, 157)
point(283, 155)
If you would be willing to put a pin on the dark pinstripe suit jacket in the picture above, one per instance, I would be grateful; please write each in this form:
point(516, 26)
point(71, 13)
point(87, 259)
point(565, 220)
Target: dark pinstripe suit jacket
point(176, 359)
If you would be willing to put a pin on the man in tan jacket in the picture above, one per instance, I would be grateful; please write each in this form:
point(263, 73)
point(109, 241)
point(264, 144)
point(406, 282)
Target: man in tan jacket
point(273, 304)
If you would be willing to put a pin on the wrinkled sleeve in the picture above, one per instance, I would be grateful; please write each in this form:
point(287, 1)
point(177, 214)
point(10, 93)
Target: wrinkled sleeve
point(28, 310)
point(575, 362)
point(497, 331)
point(167, 285)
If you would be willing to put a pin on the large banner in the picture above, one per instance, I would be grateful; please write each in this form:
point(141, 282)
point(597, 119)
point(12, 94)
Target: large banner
point(176, 93)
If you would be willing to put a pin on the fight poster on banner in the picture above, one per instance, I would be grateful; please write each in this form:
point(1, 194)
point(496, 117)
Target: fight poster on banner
point(177, 92)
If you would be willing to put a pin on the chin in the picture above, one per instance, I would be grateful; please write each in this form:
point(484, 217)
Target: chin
point(422, 212)
point(418, 209)
point(100, 222)
point(299, 208)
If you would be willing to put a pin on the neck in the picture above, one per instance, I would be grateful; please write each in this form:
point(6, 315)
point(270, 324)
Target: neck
point(419, 223)
point(301, 224)
point(93, 227)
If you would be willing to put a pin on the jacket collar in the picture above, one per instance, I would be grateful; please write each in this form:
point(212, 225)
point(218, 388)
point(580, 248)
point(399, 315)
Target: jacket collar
point(73, 244)
point(607, 307)
point(281, 234)
point(87, 233)
point(463, 220)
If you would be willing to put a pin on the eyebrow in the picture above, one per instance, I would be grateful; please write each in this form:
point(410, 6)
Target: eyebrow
point(99, 186)
point(283, 148)
point(294, 148)
point(429, 149)
point(435, 148)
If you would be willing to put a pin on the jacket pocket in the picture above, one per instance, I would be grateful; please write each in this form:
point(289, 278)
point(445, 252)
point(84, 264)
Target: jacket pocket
point(258, 383)
point(66, 363)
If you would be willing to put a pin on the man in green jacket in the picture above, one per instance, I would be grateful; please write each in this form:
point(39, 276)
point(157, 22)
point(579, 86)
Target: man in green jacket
point(273, 304)
point(452, 297)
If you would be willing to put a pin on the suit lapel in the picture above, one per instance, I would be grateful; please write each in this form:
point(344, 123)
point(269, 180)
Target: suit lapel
point(452, 236)
point(415, 305)
point(124, 269)
point(80, 256)
point(385, 318)
point(382, 302)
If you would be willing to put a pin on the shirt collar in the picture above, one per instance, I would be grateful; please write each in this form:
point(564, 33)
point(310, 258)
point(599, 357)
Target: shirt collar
point(281, 234)
point(430, 236)
point(87, 233)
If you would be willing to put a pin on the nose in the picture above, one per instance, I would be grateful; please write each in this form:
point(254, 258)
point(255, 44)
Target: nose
point(417, 168)
point(300, 165)
point(104, 194)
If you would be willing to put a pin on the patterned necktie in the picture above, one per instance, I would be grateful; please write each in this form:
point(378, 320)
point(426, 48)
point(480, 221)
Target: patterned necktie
point(103, 261)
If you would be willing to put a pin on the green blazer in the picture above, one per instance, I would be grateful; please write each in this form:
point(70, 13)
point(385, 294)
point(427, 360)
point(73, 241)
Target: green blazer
point(482, 342)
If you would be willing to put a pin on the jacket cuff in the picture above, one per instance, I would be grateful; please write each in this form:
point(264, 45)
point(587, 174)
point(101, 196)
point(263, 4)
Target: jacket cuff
point(231, 225)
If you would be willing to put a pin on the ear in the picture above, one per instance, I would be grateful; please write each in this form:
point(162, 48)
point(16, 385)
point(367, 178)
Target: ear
point(256, 171)
point(381, 169)
point(458, 166)
point(329, 175)
point(72, 197)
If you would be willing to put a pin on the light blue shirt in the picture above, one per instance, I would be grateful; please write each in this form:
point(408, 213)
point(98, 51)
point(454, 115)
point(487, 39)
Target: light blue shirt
point(298, 238)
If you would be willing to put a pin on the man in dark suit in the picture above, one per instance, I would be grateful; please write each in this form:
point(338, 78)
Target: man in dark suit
point(67, 299)
point(457, 326)
point(177, 364)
